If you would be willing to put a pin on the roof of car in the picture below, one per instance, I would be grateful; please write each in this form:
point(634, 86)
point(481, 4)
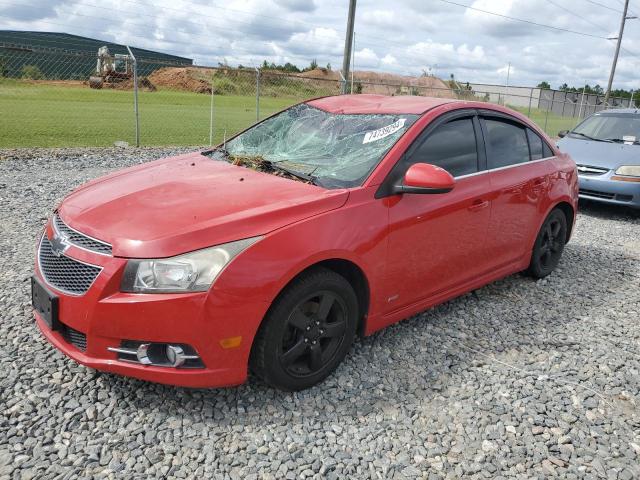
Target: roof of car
point(372, 104)
point(631, 111)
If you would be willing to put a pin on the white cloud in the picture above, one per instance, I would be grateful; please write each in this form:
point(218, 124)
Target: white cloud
point(406, 36)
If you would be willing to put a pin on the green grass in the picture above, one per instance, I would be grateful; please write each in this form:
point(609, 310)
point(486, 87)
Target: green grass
point(62, 116)
point(550, 123)
point(43, 115)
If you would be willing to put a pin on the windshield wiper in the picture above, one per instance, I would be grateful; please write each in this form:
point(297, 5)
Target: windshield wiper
point(621, 140)
point(589, 137)
point(303, 176)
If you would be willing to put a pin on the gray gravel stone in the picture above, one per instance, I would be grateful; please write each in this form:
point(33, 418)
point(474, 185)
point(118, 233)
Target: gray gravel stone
point(519, 379)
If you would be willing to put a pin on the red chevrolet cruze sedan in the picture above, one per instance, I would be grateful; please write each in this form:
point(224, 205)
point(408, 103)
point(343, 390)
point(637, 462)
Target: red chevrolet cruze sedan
point(337, 216)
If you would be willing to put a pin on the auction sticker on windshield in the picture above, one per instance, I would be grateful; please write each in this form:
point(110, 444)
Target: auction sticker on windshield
point(384, 131)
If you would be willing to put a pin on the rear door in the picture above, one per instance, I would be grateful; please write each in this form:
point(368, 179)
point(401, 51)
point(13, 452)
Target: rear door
point(519, 174)
point(438, 241)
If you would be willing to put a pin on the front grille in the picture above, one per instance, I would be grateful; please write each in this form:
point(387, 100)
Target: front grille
point(590, 170)
point(74, 337)
point(596, 194)
point(80, 239)
point(64, 273)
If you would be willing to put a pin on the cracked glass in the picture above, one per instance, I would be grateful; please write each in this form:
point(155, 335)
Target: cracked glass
point(334, 150)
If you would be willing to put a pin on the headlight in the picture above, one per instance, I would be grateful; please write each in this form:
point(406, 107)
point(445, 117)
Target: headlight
point(629, 170)
point(191, 272)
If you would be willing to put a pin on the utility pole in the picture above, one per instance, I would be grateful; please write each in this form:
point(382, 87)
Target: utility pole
point(348, 43)
point(615, 56)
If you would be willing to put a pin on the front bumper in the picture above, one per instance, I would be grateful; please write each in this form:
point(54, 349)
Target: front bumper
point(602, 188)
point(107, 317)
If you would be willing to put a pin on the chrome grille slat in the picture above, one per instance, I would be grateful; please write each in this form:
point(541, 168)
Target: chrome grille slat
point(591, 170)
point(80, 239)
point(64, 273)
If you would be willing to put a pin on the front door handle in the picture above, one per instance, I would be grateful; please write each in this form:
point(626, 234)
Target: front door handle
point(478, 204)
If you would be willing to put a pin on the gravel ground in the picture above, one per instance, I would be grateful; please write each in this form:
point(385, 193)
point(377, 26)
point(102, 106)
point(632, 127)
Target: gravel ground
point(518, 379)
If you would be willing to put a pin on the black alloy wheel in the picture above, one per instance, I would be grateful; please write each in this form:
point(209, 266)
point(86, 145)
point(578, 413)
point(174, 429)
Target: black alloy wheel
point(307, 332)
point(549, 245)
point(315, 329)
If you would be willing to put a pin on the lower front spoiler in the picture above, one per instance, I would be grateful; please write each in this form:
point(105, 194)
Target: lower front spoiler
point(195, 378)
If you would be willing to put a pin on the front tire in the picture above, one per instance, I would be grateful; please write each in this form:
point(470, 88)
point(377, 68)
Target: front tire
point(307, 332)
point(549, 245)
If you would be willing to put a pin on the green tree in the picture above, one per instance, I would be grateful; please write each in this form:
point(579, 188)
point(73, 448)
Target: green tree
point(544, 85)
point(4, 70)
point(31, 72)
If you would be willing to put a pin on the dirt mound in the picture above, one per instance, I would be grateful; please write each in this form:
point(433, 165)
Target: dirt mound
point(388, 83)
point(143, 84)
point(233, 82)
point(177, 78)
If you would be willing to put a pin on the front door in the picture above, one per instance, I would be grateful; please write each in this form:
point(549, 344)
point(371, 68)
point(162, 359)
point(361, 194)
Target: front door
point(438, 241)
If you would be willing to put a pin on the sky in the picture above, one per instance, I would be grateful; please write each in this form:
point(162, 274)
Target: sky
point(408, 37)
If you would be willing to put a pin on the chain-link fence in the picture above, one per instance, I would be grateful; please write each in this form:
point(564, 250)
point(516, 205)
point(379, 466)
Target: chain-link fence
point(60, 97)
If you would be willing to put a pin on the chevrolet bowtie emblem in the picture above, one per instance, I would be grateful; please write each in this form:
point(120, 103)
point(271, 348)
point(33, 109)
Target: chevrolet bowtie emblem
point(59, 244)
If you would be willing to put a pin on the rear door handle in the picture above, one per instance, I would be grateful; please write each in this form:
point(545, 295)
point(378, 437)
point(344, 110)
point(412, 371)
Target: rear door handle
point(478, 204)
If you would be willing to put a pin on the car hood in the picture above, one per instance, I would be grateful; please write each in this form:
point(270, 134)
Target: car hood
point(181, 204)
point(600, 154)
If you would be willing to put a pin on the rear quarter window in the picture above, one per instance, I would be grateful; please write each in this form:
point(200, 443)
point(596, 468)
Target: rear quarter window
point(506, 143)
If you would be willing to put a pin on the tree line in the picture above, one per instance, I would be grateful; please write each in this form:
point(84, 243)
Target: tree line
point(589, 90)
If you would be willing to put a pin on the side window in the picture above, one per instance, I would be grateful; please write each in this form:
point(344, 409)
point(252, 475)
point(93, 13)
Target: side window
point(535, 145)
point(506, 143)
point(451, 146)
point(547, 151)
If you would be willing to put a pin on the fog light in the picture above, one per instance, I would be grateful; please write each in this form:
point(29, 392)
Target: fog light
point(142, 353)
point(175, 355)
point(158, 354)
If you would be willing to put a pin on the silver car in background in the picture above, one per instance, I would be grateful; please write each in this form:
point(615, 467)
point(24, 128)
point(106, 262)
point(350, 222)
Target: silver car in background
point(606, 148)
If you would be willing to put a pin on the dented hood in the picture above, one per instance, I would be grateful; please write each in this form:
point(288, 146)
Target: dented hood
point(185, 203)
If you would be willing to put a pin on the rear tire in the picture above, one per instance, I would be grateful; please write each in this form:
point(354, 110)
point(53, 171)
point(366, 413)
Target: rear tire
point(549, 245)
point(307, 331)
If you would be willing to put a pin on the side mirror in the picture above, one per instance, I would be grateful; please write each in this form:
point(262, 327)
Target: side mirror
point(425, 178)
point(563, 133)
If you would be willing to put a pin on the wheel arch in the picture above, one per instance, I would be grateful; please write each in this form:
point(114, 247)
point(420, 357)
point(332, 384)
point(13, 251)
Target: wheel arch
point(569, 213)
point(348, 269)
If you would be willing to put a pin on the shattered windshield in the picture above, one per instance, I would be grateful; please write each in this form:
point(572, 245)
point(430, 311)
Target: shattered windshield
point(332, 150)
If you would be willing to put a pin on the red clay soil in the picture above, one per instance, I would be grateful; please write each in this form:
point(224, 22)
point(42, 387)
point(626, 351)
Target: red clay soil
point(389, 83)
point(177, 78)
point(192, 80)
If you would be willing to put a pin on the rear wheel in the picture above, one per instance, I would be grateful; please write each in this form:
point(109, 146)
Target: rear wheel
point(307, 332)
point(549, 245)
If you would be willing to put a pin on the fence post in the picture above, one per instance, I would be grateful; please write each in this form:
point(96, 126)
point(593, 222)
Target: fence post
point(581, 101)
point(530, 100)
point(257, 94)
point(135, 95)
point(546, 117)
point(211, 115)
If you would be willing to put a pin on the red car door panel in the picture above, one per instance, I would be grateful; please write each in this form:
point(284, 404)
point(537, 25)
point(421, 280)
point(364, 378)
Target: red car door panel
point(436, 241)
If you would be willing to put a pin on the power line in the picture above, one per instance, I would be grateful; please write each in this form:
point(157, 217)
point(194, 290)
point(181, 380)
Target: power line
point(571, 12)
point(604, 6)
point(522, 20)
